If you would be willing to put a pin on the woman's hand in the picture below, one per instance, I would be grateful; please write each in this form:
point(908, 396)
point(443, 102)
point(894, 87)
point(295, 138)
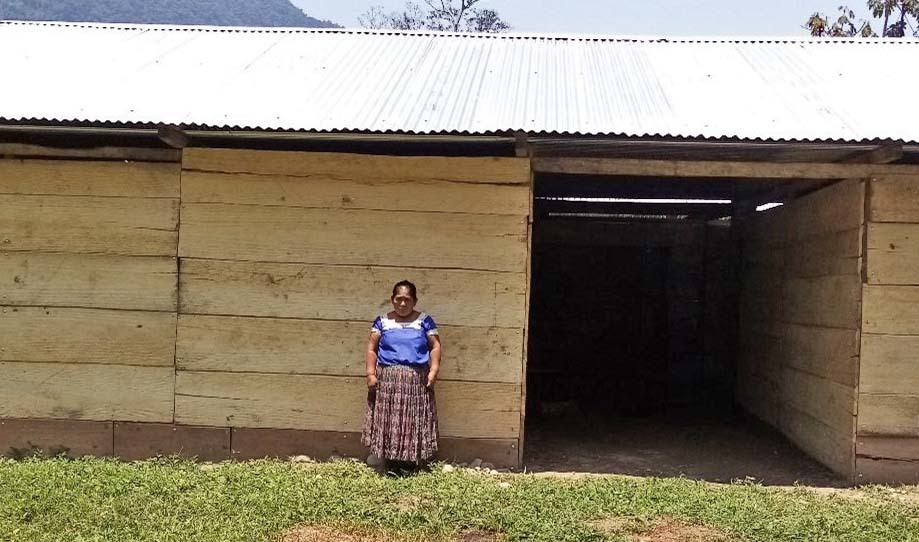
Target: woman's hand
point(432, 377)
point(372, 381)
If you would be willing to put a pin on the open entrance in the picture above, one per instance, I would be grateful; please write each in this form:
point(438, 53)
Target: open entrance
point(635, 331)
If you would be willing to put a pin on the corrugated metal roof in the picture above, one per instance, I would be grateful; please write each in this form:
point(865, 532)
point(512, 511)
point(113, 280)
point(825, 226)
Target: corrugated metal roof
point(436, 83)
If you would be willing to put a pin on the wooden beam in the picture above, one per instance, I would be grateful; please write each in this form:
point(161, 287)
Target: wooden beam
point(686, 168)
point(144, 154)
point(521, 146)
point(882, 154)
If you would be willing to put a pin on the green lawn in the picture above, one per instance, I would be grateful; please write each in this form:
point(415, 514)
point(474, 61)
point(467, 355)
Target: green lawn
point(169, 499)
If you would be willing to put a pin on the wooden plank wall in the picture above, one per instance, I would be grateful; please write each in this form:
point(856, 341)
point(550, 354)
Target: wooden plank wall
point(88, 292)
point(286, 257)
point(800, 320)
point(888, 418)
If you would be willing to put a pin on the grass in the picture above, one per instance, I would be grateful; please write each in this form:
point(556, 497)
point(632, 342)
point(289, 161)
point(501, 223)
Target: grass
point(177, 500)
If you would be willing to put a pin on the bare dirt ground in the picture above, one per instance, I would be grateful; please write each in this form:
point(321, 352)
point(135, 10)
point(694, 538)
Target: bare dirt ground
point(715, 449)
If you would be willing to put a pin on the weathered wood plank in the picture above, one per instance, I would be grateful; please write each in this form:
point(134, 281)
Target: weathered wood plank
point(688, 168)
point(102, 153)
point(838, 207)
point(50, 437)
point(89, 281)
point(332, 403)
point(135, 441)
point(268, 345)
point(256, 443)
point(833, 448)
point(136, 226)
point(55, 335)
point(891, 309)
point(893, 253)
point(89, 178)
point(837, 253)
point(879, 447)
point(830, 353)
point(329, 192)
point(833, 301)
point(889, 364)
point(885, 471)
point(894, 199)
point(828, 402)
point(360, 166)
point(86, 392)
point(888, 414)
point(282, 234)
point(464, 298)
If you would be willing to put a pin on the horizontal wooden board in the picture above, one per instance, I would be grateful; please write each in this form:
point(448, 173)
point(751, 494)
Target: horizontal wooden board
point(830, 353)
point(837, 253)
point(332, 403)
point(360, 166)
point(89, 178)
point(135, 441)
point(75, 438)
point(331, 192)
point(885, 471)
point(879, 447)
point(466, 298)
point(895, 199)
point(889, 364)
point(765, 229)
point(56, 335)
point(354, 237)
point(598, 233)
point(888, 414)
point(86, 392)
point(257, 443)
point(269, 345)
point(890, 309)
point(90, 281)
point(16, 150)
point(893, 253)
point(833, 448)
point(833, 301)
point(838, 207)
point(136, 226)
point(830, 403)
point(759, 402)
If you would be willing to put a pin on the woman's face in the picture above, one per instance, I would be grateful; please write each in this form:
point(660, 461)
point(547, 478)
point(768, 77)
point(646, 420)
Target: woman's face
point(402, 302)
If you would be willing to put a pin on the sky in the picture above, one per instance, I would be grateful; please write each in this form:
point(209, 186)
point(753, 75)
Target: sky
point(635, 17)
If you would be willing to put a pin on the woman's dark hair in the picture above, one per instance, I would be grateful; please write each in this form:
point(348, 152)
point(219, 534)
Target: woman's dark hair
point(411, 289)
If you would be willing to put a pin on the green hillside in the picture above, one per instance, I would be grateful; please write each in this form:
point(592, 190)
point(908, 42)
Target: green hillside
point(205, 12)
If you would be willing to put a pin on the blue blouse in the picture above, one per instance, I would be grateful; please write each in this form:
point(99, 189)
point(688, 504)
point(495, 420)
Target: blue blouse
point(404, 343)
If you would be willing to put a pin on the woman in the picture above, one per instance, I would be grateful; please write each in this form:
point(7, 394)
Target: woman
point(403, 358)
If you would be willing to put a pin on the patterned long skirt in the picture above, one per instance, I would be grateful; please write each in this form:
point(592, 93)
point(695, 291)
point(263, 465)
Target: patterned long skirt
point(401, 419)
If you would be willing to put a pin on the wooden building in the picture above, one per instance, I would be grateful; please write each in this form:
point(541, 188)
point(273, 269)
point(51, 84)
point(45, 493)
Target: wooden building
point(212, 296)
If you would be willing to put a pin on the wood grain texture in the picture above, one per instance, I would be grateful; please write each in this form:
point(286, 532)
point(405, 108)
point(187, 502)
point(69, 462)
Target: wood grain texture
point(885, 471)
point(50, 437)
point(827, 402)
point(18, 150)
point(135, 226)
point(837, 253)
point(257, 443)
point(353, 237)
point(888, 414)
point(86, 392)
point(466, 298)
point(895, 199)
point(360, 166)
point(833, 448)
point(57, 335)
point(879, 447)
point(830, 353)
point(838, 207)
point(326, 403)
point(89, 178)
point(135, 441)
point(330, 192)
point(267, 345)
point(889, 364)
point(890, 309)
point(833, 301)
point(91, 281)
point(893, 253)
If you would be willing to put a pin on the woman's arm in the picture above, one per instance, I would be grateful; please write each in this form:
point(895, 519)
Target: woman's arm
point(371, 359)
point(434, 345)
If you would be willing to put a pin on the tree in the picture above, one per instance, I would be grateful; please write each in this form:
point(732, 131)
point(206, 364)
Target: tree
point(449, 15)
point(905, 15)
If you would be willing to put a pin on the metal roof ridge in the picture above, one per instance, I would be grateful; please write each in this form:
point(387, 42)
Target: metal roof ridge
point(546, 36)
